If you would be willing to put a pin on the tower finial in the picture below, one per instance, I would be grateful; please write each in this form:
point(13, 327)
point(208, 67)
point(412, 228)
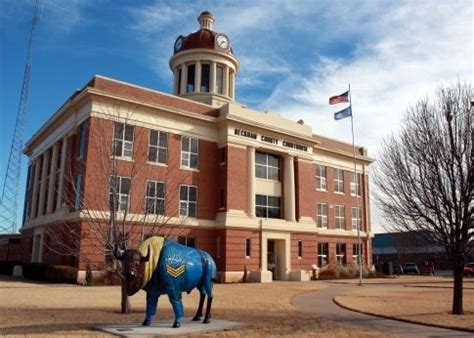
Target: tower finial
point(206, 19)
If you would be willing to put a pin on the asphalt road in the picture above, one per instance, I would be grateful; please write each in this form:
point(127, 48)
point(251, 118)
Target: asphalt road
point(321, 304)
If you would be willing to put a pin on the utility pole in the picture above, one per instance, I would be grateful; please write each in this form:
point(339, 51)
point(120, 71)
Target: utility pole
point(11, 185)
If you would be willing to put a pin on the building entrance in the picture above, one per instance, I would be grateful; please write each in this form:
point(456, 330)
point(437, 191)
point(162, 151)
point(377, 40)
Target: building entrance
point(276, 258)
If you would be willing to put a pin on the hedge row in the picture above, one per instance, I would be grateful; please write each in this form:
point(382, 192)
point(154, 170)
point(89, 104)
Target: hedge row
point(42, 272)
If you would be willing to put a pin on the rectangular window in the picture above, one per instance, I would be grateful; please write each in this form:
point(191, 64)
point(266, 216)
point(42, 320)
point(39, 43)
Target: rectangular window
point(322, 215)
point(322, 254)
point(341, 253)
point(155, 198)
point(320, 177)
point(231, 83)
point(219, 79)
point(339, 180)
point(47, 159)
point(190, 83)
point(189, 152)
point(119, 194)
point(267, 166)
point(82, 139)
point(158, 147)
point(355, 218)
point(123, 140)
point(78, 184)
point(267, 206)
point(355, 185)
point(218, 247)
point(180, 75)
point(187, 241)
point(205, 70)
point(300, 249)
point(187, 200)
point(248, 247)
point(339, 212)
point(356, 250)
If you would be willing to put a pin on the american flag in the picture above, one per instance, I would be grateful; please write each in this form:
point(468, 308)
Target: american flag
point(344, 97)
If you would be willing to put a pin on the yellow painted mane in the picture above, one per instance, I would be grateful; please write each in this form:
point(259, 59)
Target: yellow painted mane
point(155, 244)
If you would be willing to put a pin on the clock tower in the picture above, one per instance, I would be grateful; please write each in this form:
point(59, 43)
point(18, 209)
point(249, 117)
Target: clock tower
point(204, 66)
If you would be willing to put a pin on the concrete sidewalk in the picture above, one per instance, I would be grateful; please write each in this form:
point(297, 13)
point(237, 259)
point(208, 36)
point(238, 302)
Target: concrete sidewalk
point(321, 304)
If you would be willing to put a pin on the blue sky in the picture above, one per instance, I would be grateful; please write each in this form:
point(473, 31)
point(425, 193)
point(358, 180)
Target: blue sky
point(293, 54)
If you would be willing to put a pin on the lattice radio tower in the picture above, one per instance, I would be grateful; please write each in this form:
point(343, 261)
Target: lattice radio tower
point(11, 185)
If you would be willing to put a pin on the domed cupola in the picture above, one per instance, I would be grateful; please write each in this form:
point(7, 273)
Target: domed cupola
point(203, 65)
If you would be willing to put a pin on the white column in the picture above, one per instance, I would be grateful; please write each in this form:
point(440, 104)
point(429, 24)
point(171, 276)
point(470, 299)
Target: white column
point(43, 182)
point(184, 78)
point(289, 188)
point(197, 77)
point(251, 180)
point(34, 198)
point(212, 78)
point(52, 179)
point(232, 85)
point(62, 174)
point(225, 84)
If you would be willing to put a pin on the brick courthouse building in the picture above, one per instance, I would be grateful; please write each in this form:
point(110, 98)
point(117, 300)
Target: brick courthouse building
point(262, 193)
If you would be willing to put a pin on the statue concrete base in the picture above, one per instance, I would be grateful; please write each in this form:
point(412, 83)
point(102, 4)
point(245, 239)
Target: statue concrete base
point(163, 328)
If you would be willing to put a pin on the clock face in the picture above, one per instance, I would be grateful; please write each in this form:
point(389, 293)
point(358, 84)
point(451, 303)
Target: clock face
point(178, 44)
point(222, 41)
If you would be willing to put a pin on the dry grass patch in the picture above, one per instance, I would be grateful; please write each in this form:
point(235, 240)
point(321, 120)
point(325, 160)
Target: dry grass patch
point(402, 279)
point(265, 309)
point(422, 305)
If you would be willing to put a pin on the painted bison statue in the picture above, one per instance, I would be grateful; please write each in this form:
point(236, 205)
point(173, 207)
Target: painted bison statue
point(161, 266)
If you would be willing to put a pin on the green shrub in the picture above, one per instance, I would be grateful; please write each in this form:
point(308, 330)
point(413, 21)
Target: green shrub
point(6, 268)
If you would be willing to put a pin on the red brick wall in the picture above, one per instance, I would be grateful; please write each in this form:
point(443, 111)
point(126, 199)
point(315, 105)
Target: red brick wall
point(237, 183)
point(99, 168)
point(235, 259)
point(310, 248)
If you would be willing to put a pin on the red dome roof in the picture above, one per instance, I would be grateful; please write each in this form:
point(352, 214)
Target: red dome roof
point(203, 38)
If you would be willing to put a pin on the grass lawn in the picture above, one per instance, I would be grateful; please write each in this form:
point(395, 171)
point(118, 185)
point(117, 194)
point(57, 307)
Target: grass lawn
point(428, 305)
point(29, 308)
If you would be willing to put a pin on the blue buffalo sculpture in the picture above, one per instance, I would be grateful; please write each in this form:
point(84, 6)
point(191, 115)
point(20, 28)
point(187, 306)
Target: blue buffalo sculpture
point(161, 266)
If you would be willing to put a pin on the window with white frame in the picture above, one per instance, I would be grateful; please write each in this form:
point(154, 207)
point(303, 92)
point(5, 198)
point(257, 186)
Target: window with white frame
point(341, 253)
point(300, 249)
point(248, 247)
point(355, 185)
point(339, 180)
point(356, 251)
point(320, 177)
point(188, 201)
point(267, 206)
point(187, 241)
point(158, 146)
point(78, 184)
point(123, 140)
point(339, 215)
point(82, 138)
point(356, 218)
point(119, 194)
point(322, 215)
point(322, 254)
point(267, 166)
point(155, 198)
point(189, 152)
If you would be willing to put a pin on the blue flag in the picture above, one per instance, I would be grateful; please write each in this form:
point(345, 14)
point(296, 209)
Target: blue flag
point(343, 113)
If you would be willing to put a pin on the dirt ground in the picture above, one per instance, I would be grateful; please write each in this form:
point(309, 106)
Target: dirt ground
point(29, 308)
point(428, 303)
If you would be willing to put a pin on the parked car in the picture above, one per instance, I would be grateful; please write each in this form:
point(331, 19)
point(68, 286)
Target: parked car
point(469, 269)
point(426, 268)
point(410, 268)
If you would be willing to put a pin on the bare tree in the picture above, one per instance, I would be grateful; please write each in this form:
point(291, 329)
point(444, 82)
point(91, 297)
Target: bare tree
point(114, 210)
point(425, 176)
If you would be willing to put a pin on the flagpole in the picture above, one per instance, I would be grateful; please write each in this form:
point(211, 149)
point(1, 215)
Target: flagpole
point(357, 186)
